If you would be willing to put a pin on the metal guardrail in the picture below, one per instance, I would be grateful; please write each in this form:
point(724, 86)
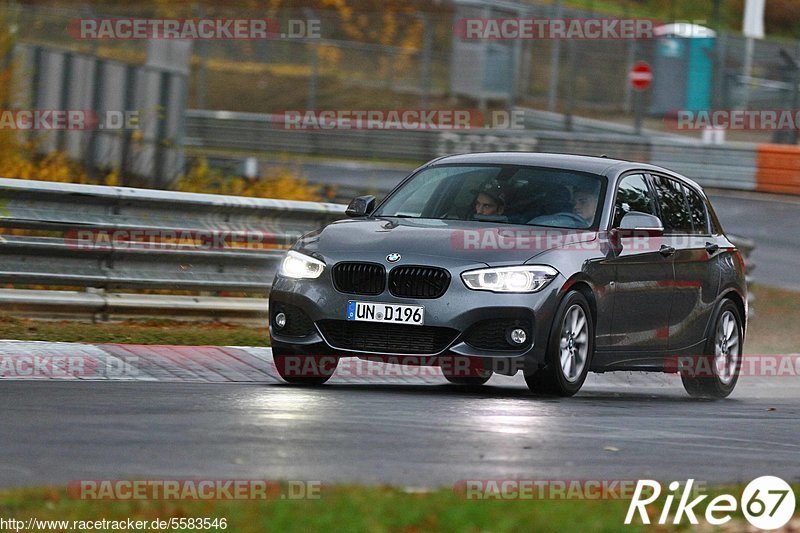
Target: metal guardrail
point(91, 236)
point(732, 165)
point(97, 249)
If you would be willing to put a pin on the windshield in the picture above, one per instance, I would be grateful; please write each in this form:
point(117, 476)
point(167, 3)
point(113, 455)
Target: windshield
point(500, 194)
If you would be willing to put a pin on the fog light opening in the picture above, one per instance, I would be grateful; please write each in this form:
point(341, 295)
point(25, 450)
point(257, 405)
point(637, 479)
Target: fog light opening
point(518, 336)
point(280, 320)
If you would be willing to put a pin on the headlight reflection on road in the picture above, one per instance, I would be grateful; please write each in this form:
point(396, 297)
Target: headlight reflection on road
point(284, 404)
point(517, 418)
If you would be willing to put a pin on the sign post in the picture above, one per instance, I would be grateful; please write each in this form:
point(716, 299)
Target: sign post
point(640, 78)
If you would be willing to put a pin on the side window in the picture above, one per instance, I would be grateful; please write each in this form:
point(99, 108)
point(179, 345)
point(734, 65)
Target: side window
point(698, 211)
point(633, 195)
point(716, 227)
point(675, 212)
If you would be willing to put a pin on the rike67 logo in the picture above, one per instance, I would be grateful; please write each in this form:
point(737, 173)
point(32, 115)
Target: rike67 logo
point(767, 502)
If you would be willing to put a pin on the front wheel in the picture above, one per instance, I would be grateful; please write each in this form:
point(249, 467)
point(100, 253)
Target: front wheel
point(469, 381)
point(715, 373)
point(304, 369)
point(569, 349)
point(466, 371)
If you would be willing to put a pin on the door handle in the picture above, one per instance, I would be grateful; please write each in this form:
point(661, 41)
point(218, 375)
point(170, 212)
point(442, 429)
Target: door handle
point(711, 248)
point(666, 251)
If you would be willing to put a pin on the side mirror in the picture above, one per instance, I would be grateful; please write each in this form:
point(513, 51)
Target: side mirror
point(641, 224)
point(635, 224)
point(360, 206)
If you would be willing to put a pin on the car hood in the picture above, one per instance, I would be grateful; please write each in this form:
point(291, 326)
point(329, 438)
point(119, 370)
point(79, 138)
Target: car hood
point(440, 242)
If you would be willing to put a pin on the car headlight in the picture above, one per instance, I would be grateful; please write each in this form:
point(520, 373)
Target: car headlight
point(300, 266)
point(526, 278)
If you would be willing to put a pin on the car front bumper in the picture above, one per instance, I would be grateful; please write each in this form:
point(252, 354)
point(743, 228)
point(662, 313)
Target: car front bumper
point(452, 320)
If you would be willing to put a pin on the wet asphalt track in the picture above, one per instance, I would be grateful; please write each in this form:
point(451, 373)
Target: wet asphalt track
point(193, 422)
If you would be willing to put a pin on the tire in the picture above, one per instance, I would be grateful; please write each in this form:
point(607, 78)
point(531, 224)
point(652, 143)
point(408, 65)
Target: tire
point(717, 368)
point(569, 349)
point(304, 369)
point(466, 371)
point(471, 381)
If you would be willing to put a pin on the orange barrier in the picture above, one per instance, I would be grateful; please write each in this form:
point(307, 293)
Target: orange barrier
point(778, 168)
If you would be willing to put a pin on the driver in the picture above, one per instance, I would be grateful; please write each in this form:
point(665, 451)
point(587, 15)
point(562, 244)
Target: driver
point(585, 203)
point(490, 200)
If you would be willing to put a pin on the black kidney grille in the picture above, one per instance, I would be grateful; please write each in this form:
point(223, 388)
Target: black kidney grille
point(491, 334)
point(359, 278)
point(386, 338)
point(418, 281)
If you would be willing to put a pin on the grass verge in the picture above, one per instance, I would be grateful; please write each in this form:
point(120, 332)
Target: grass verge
point(134, 332)
point(368, 509)
point(773, 329)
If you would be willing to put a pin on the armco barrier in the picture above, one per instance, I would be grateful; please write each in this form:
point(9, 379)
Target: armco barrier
point(743, 166)
point(57, 255)
point(778, 168)
point(729, 166)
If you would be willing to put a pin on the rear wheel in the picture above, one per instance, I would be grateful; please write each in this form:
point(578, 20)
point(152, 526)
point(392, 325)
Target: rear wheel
point(715, 373)
point(569, 350)
point(304, 369)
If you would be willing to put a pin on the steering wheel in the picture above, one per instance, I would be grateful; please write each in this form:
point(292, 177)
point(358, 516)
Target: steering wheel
point(564, 219)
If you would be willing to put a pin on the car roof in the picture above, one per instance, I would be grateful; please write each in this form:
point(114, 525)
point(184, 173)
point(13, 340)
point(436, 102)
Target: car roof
point(582, 163)
point(602, 165)
point(597, 165)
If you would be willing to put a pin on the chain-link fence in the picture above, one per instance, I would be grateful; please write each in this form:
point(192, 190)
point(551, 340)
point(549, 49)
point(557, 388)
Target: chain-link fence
point(408, 60)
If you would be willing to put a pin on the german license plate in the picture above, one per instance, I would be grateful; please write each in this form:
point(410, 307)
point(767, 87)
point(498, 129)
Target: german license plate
point(383, 312)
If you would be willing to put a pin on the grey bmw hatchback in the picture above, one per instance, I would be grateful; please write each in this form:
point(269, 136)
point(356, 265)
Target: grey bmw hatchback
point(550, 264)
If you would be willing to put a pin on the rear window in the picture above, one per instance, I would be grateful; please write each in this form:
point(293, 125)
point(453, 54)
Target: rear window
point(698, 210)
point(673, 204)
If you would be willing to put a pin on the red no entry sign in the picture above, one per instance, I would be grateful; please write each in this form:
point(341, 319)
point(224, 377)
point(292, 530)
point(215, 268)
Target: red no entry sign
point(640, 76)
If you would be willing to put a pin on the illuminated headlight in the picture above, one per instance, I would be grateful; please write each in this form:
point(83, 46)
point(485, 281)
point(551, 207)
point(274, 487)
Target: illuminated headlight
point(300, 266)
point(509, 279)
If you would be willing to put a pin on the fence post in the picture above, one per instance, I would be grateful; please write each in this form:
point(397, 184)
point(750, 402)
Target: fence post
point(571, 81)
point(98, 74)
point(130, 89)
point(312, 80)
point(555, 58)
point(159, 179)
point(66, 83)
point(426, 73)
